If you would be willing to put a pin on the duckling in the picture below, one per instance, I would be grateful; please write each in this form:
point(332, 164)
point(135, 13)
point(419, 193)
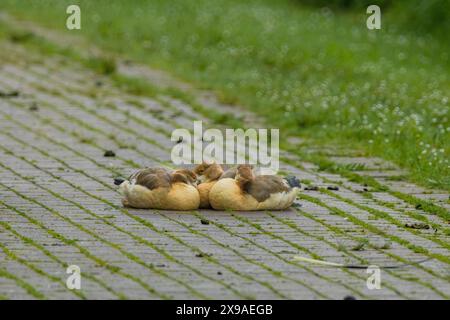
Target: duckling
point(248, 192)
point(157, 188)
point(208, 174)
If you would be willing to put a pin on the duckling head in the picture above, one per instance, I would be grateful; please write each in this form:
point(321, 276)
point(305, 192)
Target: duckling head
point(185, 176)
point(244, 174)
point(207, 172)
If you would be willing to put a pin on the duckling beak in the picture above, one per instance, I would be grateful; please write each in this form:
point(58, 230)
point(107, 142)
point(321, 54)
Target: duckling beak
point(118, 181)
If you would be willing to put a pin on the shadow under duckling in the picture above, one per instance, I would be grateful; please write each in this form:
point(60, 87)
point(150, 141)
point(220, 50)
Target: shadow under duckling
point(247, 192)
point(157, 188)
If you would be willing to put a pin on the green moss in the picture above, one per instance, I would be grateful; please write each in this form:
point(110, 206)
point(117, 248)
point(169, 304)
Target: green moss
point(11, 255)
point(390, 218)
point(277, 255)
point(134, 86)
point(405, 243)
point(22, 283)
point(337, 230)
point(38, 246)
point(360, 246)
point(102, 65)
point(339, 247)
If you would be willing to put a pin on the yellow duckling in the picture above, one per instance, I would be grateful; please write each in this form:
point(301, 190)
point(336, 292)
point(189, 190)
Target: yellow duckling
point(157, 188)
point(207, 175)
point(248, 192)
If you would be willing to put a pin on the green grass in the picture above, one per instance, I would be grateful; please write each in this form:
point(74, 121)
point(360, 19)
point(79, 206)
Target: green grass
point(312, 73)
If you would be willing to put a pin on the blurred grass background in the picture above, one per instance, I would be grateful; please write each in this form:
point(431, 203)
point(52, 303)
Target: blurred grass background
point(312, 68)
point(416, 15)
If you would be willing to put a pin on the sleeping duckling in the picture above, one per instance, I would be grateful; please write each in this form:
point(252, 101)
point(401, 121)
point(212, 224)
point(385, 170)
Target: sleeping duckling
point(248, 192)
point(157, 188)
point(208, 174)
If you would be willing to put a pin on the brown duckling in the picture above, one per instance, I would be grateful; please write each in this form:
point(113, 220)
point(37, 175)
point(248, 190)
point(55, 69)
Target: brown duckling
point(248, 192)
point(157, 188)
point(207, 175)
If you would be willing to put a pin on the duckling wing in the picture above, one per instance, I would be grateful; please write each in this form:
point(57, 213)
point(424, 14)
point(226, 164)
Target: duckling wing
point(263, 186)
point(151, 178)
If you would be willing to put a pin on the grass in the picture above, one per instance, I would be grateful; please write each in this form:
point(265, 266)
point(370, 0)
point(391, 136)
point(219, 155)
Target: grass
point(312, 73)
